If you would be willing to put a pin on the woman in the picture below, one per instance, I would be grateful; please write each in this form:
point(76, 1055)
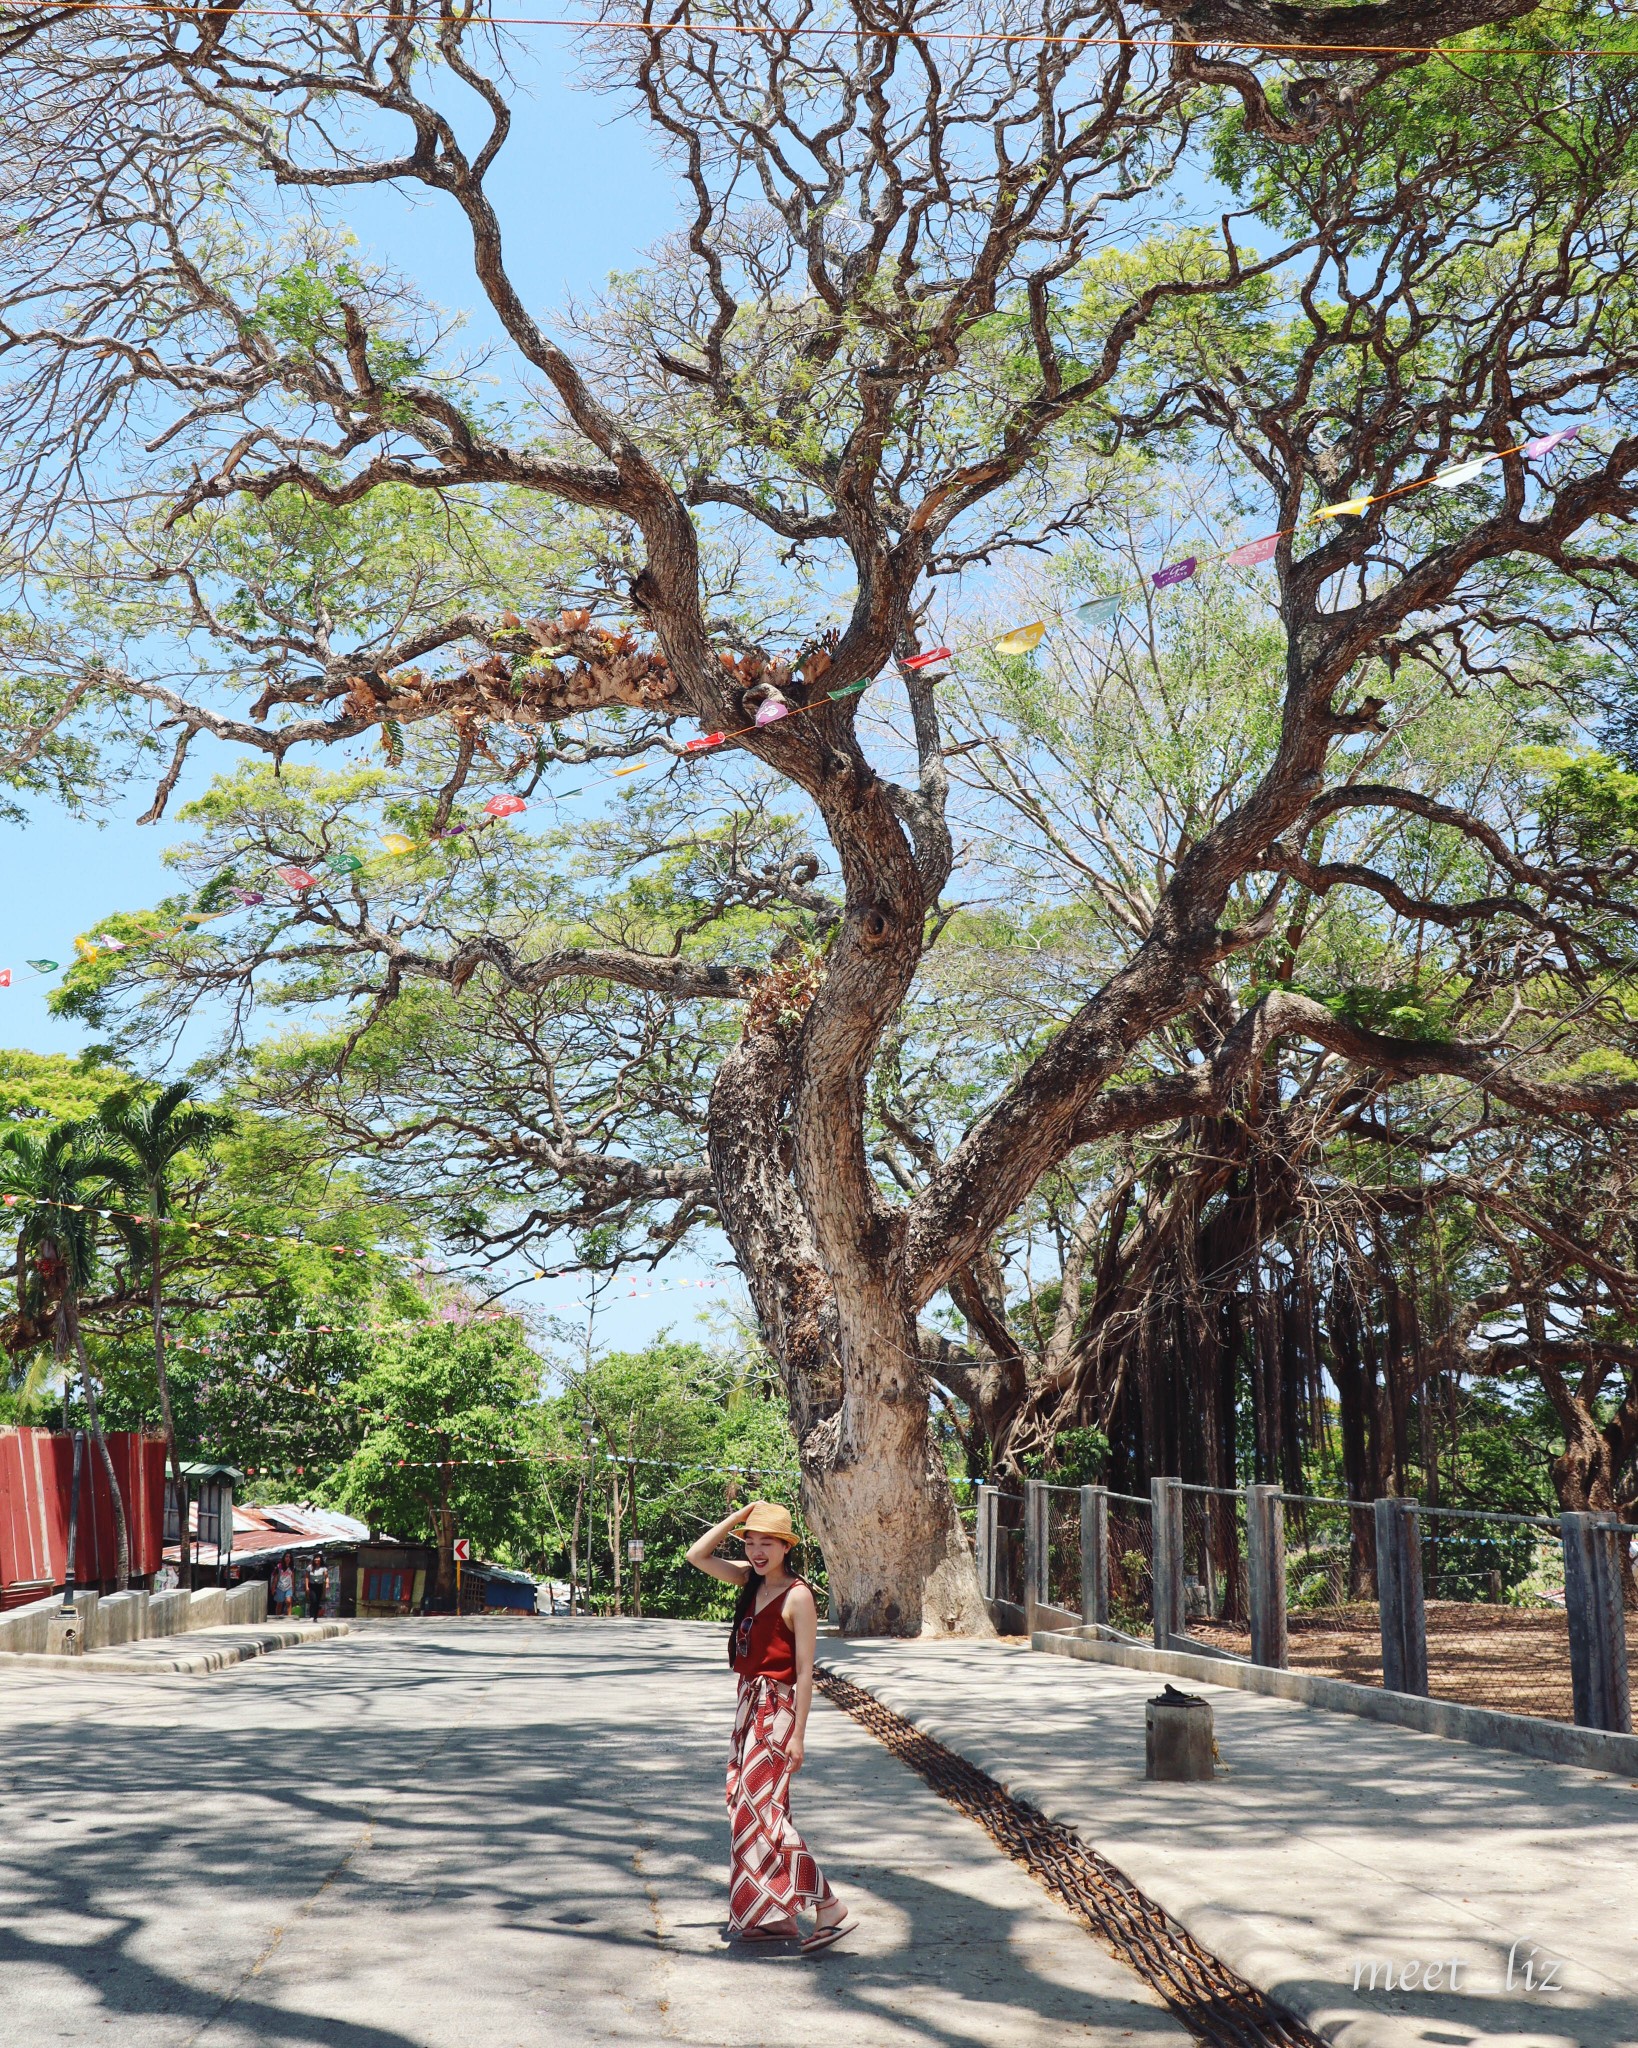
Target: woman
point(318, 1588)
point(283, 1588)
point(772, 1875)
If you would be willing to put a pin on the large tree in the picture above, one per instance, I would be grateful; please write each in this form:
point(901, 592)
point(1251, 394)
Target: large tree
point(924, 308)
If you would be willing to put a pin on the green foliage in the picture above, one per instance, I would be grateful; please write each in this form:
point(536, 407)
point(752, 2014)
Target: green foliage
point(1077, 1458)
point(1589, 796)
point(440, 1419)
point(645, 1443)
point(54, 1087)
point(1398, 1012)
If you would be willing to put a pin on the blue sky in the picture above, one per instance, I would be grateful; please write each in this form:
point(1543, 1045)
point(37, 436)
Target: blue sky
point(580, 195)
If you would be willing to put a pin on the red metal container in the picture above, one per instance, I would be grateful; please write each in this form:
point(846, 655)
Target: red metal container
point(36, 1479)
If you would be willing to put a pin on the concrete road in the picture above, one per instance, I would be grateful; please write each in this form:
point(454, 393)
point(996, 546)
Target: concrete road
point(489, 1835)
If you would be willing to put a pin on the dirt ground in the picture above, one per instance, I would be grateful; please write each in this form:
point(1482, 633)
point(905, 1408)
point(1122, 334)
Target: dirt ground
point(1515, 1659)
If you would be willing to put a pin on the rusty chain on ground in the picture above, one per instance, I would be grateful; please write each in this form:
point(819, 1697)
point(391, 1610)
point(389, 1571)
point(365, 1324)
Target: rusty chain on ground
point(1207, 1997)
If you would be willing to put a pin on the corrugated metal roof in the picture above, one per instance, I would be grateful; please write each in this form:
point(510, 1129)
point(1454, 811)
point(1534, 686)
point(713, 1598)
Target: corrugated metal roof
point(327, 1523)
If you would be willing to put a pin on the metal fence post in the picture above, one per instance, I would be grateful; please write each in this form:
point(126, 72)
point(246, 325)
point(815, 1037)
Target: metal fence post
point(1166, 1501)
point(1598, 1626)
point(1265, 1571)
point(1035, 1559)
point(984, 1542)
point(1399, 1597)
point(1094, 1556)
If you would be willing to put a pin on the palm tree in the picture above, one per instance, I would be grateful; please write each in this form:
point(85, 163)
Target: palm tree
point(151, 1136)
point(59, 1178)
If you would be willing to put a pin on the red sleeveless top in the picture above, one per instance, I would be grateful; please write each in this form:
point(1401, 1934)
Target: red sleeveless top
point(764, 1646)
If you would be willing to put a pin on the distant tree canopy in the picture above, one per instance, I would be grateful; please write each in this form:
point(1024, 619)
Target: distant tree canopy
point(1316, 902)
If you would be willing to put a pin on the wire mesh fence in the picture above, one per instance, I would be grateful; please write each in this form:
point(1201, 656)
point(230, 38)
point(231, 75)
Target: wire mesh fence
point(1493, 1593)
point(1008, 1536)
point(1216, 1586)
point(1131, 1564)
point(1491, 1629)
point(1333, 1622)
point(1063, 1548)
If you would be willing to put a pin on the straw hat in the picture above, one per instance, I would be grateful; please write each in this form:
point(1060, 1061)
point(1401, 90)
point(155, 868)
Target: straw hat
point(767, 1518)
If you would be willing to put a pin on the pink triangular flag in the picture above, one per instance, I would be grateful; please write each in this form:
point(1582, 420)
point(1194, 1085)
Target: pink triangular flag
point(1255, 551)
point(1543, 444)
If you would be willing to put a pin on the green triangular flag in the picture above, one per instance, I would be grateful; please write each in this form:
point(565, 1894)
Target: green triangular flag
point(44, 966)
point(852, 689)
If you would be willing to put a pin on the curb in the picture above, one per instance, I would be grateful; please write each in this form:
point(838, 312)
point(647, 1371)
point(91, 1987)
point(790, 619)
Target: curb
point(218, 1656)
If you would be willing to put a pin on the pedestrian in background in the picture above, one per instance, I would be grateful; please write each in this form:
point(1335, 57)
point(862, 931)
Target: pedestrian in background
point(318, 1587)
point(282, 1590)
point(772, 1875)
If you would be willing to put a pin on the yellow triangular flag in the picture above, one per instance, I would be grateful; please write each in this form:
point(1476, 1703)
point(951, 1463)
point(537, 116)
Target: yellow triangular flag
point(1351, 510)
point(395, 842)
point(1022, 638)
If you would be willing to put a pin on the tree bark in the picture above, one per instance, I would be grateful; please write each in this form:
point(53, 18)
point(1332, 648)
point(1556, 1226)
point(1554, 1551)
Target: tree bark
point(873, 1487)
point(444, 1584)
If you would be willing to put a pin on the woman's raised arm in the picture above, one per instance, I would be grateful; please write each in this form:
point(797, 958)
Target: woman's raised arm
point(734, 1571)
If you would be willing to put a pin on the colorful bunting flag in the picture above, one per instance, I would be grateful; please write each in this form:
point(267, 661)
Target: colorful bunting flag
point(706, 739)
point(1350, 508)
point(298, 878)
point(1101, 611)
point(1256, 551)
point(849, 690)
point(771, 710)
point(1022, 638)
point(250, 896)
point(396, 842)
point(44, 966)
point(1175, 572)
point(922, 660)
point(109, 945)
point(343, 863)
point(505, 806)
point(1544, 444)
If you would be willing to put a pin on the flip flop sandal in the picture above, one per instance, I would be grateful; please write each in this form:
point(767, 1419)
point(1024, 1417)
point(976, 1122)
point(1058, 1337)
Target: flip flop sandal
point(788, 1933)
point(827, 1937)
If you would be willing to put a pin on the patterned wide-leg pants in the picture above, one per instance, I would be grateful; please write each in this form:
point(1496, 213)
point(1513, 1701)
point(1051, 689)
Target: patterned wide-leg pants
point(771, 1869)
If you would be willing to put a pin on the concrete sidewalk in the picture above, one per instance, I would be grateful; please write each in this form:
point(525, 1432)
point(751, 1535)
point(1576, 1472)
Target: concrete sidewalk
point(490, 1834)
point(1326, 1845)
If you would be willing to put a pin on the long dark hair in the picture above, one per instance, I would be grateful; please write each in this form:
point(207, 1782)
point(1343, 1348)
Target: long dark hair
point(746, 1602)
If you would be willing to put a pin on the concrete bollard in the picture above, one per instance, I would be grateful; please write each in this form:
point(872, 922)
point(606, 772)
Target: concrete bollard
point(1179, 1747)
point(247, 1603)
point(207, 1607)
point(168, 1612)
point(121, 1618)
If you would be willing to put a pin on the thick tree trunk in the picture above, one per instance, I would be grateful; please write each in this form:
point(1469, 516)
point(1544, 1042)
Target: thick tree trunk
point(443, 1585)
point(896, 1552)
point(873, 1489)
